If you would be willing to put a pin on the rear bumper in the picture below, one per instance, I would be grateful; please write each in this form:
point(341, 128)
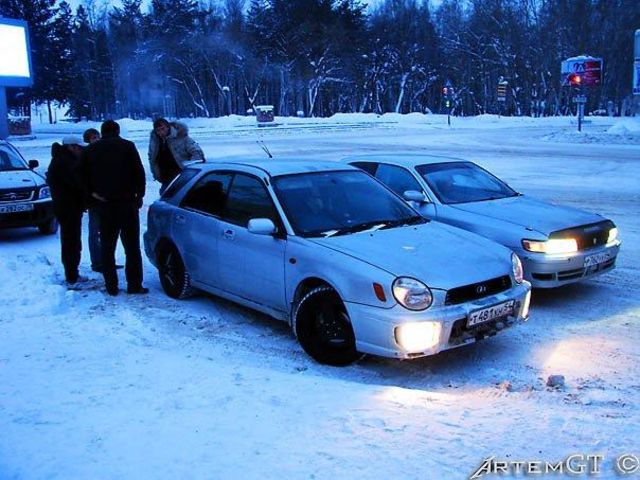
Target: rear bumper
point(42, 212)
point(549, 271)
point(375, 328)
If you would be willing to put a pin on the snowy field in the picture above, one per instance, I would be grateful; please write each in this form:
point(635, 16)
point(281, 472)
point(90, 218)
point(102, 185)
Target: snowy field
point(94, 387)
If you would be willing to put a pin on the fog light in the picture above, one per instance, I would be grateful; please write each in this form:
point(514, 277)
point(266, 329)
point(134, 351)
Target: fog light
point(525, 305)
point(418, 337)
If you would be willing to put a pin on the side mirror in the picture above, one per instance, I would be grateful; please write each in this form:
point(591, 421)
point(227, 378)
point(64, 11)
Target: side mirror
point(33, 164)
point(261, 226)
point(415, 196)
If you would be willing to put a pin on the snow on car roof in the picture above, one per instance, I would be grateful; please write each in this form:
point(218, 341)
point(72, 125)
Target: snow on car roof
point(274, 167)
point(406, 159)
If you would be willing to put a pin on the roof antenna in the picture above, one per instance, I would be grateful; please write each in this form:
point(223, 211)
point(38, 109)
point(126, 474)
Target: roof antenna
point(264, 147)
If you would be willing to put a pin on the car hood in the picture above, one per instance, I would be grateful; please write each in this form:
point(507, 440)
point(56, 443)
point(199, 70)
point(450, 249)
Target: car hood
point(530, 213)
point(441, 256)
point(19, 179)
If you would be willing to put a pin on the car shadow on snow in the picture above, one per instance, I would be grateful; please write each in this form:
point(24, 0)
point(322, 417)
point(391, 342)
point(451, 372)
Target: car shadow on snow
point(509, 356)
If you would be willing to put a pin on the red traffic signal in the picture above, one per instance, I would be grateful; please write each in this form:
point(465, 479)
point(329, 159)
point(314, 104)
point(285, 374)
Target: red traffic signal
point(574, 79)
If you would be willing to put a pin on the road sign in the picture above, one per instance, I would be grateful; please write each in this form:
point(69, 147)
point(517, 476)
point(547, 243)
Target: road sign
point(502, 91)
point(580, 99)
point(585, 68)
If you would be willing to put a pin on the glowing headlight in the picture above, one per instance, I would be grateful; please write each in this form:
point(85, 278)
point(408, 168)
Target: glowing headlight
point(518, 272)
point(412, 293)
point(613, 234)
point(45, 192)
point(417, 337)
point(554, 245)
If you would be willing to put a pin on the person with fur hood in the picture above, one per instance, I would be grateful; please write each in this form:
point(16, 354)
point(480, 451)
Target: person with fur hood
point(170, 147)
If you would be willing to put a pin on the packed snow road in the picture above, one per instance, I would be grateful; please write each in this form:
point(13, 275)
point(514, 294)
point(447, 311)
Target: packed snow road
point(99, 387)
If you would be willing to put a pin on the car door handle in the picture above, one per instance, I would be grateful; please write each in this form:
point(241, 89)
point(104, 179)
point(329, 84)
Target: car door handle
point(228, 233)
point(180, 219)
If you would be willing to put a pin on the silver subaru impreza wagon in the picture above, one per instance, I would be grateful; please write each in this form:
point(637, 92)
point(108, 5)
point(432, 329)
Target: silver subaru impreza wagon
point(336, 254)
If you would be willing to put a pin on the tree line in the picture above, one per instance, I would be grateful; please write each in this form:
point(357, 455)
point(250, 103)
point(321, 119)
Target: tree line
point(319, 57)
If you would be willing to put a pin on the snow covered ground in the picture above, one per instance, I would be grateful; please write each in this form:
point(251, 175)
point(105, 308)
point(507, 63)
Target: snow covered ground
point(93, 387)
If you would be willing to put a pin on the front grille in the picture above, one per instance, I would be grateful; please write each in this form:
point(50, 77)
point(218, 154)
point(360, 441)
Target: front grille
point(581, 272)
point(587, 236)
point(478, 290)
point(16, 194)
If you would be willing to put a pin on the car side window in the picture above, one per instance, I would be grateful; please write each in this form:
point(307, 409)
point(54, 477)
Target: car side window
point(397, 179)
point(248, 198)
point(184, 178)
point(209, 194)
point(369, 167)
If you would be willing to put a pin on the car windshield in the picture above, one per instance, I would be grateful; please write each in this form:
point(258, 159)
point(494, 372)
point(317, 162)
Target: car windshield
point(9, 160)
point(332, 203)
point(462, 182)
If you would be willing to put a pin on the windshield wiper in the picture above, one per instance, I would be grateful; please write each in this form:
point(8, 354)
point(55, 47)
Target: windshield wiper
point(414, 220)
point(374, 225)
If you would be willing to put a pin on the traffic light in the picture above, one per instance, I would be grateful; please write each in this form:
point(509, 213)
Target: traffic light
point(445, 91)
point(574, 79)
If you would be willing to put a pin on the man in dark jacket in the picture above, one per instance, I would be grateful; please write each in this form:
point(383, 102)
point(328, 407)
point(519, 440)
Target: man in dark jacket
point(91, 135)
point(115, 178)
point(68, 197)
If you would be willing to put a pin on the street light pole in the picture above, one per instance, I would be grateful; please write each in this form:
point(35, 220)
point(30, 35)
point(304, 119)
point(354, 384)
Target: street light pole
point(4, 119)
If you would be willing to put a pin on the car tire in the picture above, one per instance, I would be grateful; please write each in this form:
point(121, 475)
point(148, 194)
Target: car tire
point(323, 328)
point(174, 277)
point(49, 227)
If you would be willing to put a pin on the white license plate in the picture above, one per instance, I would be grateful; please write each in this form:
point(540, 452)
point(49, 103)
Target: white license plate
point(490, 313)
point(596, 259)
point(23, 207)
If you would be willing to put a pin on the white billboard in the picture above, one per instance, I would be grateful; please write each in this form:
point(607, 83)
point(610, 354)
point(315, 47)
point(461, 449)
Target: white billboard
point(15, 57)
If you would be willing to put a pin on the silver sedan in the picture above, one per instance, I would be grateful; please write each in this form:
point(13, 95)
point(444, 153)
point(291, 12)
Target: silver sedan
point(557, 245)
point(346, 262)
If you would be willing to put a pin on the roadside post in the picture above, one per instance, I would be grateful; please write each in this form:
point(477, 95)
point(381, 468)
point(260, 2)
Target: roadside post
point(15, 64)
point(636, 64)
point(447, 93)
point(578, 73)
point(580, 99)
point(502, 94)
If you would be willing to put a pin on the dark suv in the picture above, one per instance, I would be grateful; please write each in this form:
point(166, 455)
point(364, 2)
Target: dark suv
point(25, 198)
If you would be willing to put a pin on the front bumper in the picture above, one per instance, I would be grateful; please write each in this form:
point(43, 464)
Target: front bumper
point(42, 212)
point(549, 271)
point(375, 327)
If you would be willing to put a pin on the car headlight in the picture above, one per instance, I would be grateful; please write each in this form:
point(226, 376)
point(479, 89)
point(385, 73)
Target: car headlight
point(45, 192)
point(417, 337)
point(613, 235)
point(412, 293)
point(518, 271)
point(553, 245)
